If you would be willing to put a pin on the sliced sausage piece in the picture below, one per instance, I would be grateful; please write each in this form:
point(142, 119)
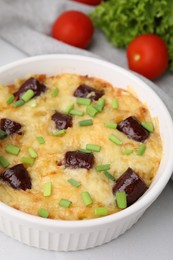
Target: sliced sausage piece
point(9, 126)
point(133, 129)
point(85, 91)
point(17, 177)
point(132, 184)
point(62, 121)
point(31, 83)
point(78, 159)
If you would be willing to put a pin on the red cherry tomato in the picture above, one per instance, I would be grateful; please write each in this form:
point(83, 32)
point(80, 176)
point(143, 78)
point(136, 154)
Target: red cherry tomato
point(74, 28)
point(147, 54)
point(89, 2)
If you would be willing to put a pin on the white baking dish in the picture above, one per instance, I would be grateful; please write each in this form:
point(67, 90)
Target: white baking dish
point(74, 235)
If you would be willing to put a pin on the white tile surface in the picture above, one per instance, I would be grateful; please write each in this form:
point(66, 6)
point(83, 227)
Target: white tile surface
point(151, 238)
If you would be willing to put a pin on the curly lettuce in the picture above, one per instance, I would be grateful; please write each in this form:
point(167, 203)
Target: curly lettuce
point(123, 20)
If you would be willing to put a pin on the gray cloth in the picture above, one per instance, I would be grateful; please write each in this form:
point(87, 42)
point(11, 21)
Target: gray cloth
point(27, 25)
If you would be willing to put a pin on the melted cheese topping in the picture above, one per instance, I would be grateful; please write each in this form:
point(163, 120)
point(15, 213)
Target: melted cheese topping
point(37, 121)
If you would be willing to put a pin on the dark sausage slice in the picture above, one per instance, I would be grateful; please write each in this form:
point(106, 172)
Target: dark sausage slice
point(62, 121)
point(17, 177)
point(9, 126)
point(132, 184)
point(78, 159)
point(31, 83)
point(133, 129)
point(86, 91)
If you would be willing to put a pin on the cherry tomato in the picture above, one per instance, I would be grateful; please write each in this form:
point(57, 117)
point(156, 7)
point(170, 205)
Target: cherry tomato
point(89, 2)
point(147, 54)
point(74, 28)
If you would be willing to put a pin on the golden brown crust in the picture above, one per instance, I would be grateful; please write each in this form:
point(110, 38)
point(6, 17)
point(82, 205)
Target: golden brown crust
point(48, 166)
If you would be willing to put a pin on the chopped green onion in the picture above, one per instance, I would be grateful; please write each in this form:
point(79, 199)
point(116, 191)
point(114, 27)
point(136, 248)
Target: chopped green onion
point(127, 151)
point(27, 160)
point(47, 189)
point(93, 147)
point(141, 149)
point(86, 122)
point(148, 126)
point(101, 103)
point(101, 211)
point(12, 149)
point(55, 92)
point(74, 182)
point(121, 199)
point(84, 150)
point(68, 109)
point(43, 213)
point(91, 111)
point(115, 139)
point(32, 152)
point(75, 112)
point(103, 167)
point(19, 103)
point(109, 176)
point(10, 100)
point(59, 132)
point(86, 198)
point(111, 125)
point(3, 162)
point(33, 103)
point(83, 101)
point(40, 139)
point(28, 95)
point(65, 203)
point(115, 103)
point(3, 134)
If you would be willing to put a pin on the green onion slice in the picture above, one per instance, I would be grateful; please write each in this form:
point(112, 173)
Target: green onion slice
point(12, 149)
point(121, 199)
point(127, 151)
point(65, 203)
point(75, 112)
point(32, 152)
point(74, 182)
point(40, 139)
point(47, 189)
point(27, 160)
point(93, 147)
point(115, 103)
point(68, 109)
point(19, 103)
point(86, 198)
point(83, 101)
point(28, 95)
point(103, 167)
point(84, 150)
point(141, 149)
point(100, 104)
point(111, 125)
point(59, 132)
point(55, 92)
point(3, 134)
point(44, 213)
point(101, 211)
point(10, 100)
point(86, 122)
point(3, 162)
point(148, 126)
point(115, 139)
point(109, 176)
point(91, 111)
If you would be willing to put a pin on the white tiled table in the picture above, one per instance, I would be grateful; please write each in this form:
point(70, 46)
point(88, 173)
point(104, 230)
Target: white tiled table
point(150, 239)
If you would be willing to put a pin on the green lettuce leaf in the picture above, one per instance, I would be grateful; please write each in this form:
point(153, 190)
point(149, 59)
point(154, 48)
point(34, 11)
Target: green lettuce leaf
point(123, 20)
